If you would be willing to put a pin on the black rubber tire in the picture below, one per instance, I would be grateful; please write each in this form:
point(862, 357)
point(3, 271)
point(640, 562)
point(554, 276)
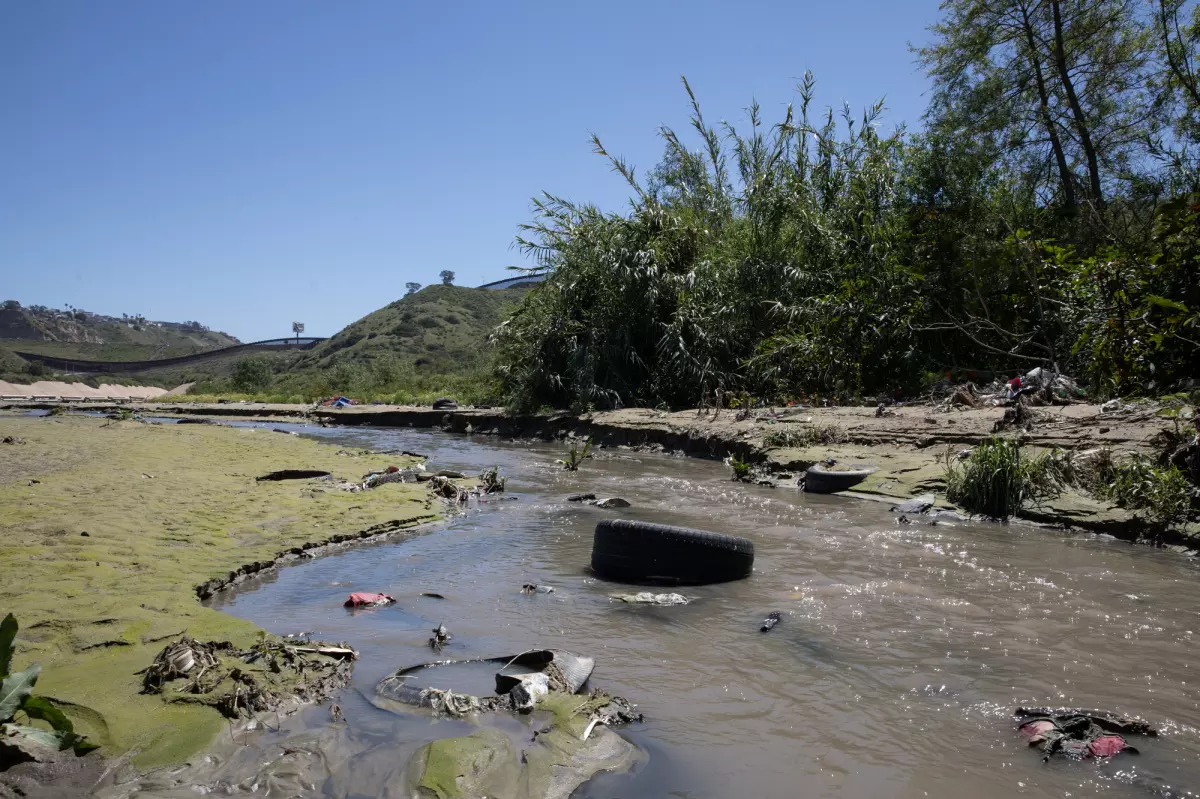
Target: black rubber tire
point(821, 481)
point(642, 553)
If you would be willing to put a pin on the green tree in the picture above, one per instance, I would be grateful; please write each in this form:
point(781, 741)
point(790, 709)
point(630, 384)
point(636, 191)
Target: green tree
point(447, 277)
point(1057, 86)
point(252, 375)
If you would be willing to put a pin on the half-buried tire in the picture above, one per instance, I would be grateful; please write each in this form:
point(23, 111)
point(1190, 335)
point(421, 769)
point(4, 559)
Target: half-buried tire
point(627, 551)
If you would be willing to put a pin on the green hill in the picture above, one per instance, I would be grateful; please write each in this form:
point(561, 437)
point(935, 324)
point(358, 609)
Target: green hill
point(430, 343)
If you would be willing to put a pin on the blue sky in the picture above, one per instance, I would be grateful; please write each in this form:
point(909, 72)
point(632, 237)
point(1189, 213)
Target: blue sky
point(247, 164)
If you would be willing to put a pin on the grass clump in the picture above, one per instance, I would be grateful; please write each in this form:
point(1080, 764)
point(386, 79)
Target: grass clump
point(996, 481)
point(810, 436)
point(1162, 494)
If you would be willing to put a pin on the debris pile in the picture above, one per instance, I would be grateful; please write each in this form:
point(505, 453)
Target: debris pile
point(236, 681)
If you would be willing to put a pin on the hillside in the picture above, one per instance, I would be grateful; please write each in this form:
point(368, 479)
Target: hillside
point(429, 343)
point(76, 333)
point(440, 328)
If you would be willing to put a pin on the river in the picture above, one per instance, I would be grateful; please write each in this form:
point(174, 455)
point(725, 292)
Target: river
point(901, 653)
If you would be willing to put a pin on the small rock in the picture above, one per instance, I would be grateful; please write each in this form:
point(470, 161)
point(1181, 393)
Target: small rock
point(581, 497)
point(1103, 430)
point(612, 502)
point(929, 420)
point(85, 534)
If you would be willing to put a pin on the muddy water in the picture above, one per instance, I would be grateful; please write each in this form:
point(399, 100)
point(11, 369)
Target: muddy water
point(901, 651)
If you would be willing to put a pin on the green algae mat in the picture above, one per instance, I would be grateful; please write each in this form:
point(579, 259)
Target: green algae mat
point(165, 508)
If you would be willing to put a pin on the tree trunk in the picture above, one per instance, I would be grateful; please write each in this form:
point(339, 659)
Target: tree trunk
point(1085, 138)
point(1064, 171)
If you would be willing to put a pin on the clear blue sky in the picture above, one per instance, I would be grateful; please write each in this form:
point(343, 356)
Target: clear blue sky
point(247, 164)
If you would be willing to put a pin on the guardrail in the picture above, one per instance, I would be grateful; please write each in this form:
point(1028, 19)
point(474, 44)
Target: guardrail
point(132, 367)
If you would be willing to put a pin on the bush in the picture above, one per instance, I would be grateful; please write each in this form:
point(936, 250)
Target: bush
point(251, 375)
point(1164, 494)
point(996, 482)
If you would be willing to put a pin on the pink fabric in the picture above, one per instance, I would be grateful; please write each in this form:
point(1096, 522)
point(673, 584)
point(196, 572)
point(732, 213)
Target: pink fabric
point(1106, 746)
point(359, 600)
point(1036, 731)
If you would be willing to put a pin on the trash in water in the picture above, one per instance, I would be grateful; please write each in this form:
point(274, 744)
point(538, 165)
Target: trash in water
point(1079, 733)
point(367, 600)
point(432, 595)
point(770, 621)
point(532, 588)
point(647, 598)
point(580, 497)
point(440, 637)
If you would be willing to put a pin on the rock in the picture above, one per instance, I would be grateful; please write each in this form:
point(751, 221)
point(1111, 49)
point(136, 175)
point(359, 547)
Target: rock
point(918, 505)
point(647, 598)
point(580, 497)
point(484, 763)
point(611, 502)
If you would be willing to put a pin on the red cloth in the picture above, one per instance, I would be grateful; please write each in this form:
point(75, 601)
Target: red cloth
point(360, 600)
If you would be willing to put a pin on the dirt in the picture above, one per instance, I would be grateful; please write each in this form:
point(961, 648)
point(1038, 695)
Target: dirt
point(54, 388)
point(113, 530)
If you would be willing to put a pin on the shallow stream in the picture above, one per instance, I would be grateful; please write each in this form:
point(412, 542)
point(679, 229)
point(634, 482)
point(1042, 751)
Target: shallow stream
point(901, 653)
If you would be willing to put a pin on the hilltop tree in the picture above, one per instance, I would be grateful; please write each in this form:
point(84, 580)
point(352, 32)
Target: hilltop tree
point(447, 277)
point(412, 288)
point(12, 305)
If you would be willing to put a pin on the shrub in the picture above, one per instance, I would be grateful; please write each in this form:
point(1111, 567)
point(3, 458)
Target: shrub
point(251, 375)
point(1164, 494)
point(995, 481)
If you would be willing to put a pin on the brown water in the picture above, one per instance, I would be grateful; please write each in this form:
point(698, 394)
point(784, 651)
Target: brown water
point(902, 650)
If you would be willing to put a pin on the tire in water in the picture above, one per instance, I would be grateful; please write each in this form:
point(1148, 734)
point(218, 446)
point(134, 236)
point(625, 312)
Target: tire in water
point(644, 553)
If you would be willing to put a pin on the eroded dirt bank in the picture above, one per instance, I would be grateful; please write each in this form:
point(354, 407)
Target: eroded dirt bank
point(109, 530)
point(908, 447)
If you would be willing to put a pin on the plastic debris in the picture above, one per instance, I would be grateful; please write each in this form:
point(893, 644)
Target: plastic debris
point(367, 600)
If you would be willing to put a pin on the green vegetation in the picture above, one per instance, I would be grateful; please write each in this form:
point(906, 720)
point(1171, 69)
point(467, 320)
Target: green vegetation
point(742, 471)
point(20, 708)
point(806, 437)
point(1047, 214)
point(430, 343)
point(251, 375)
point(1163, 494)
point(995, 481)
point(576, 456)
point(164, 508)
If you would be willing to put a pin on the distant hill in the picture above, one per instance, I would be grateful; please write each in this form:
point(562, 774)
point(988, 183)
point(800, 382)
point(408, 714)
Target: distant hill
point(75, 333)
point(439, 328)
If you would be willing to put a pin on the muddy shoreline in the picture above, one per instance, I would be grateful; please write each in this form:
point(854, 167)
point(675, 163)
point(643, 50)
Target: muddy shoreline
point(908, 446)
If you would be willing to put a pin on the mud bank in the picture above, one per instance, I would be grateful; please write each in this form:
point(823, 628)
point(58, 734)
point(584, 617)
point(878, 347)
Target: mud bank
point(908, 446)
point(111, 532)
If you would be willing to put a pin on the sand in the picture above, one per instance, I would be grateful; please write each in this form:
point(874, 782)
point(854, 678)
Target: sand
point(53, 388)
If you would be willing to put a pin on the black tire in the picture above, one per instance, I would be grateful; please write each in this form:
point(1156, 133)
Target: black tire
point(820, 481)
point(627, 551)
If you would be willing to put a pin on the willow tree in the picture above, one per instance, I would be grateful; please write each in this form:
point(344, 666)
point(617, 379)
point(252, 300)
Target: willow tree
point(1058, 86)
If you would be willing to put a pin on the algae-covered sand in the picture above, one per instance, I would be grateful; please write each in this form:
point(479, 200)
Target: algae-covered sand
point(165, 508)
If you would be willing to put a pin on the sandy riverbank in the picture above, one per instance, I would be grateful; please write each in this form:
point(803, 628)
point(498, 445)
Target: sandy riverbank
point(56, 388)
point(108, 527)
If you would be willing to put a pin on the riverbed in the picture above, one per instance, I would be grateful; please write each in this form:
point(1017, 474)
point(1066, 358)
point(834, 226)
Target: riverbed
point(902, 650)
